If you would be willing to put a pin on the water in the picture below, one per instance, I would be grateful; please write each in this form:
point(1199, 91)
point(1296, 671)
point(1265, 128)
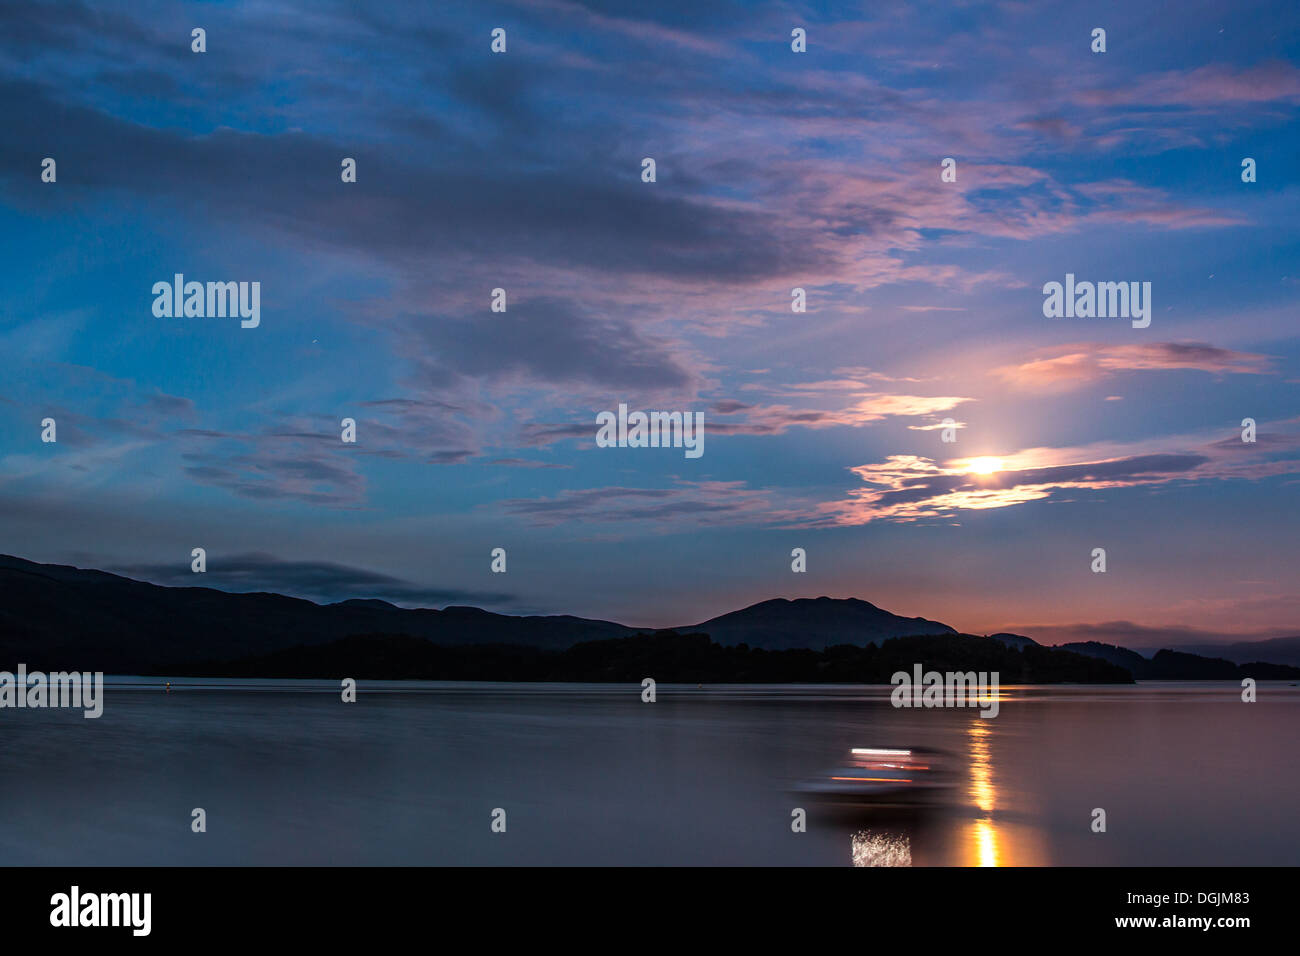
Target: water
point(588, 774)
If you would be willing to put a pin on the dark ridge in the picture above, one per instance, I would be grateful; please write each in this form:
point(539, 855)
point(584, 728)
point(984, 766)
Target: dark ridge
point(54, 617)
point(669, 657)
point(1179, 665)
point(816, 623)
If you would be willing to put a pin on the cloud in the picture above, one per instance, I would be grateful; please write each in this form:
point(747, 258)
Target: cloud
point(1082, 363)
point(864, 404)
point(525, 463)
point(866, 409)
point(550, 341)
point(729, 406)
point(576, 214)
point(1203, 87)
point(907, 488)
point(159, 403)
point(522, 171)
point(690, 504)
point(280, 472)
point(936, 426)
point(314, 580)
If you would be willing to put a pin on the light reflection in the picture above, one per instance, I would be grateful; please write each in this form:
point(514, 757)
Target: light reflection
point(986, 843)
point(983, 794)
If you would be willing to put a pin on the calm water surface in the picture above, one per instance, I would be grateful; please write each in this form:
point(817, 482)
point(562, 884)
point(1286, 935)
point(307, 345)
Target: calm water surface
point(588, 774)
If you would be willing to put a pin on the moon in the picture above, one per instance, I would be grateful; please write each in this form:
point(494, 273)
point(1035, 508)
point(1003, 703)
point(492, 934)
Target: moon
point(984, 466)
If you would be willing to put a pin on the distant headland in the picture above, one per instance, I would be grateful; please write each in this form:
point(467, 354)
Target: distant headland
point(60, 617)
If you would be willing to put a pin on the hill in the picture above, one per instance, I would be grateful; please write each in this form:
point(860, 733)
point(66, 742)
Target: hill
point(1277, 650)
point(57, 617)
point(815, 623)
point(54, 617)
point(669, 657)
point(1179, 665)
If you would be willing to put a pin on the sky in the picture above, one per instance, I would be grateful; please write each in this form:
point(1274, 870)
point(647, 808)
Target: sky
point(774, 170)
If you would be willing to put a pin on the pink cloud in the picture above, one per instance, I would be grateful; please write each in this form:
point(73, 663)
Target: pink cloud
point(906, 488)
point(1211, 85)
point(1081, 363)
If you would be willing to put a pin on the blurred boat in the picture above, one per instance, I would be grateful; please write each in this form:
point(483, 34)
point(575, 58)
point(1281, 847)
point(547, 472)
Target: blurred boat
point(886, 778)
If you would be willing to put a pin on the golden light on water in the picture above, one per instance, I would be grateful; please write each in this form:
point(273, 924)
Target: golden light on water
point(986, 843)
point(982, 791)
point(983, 794)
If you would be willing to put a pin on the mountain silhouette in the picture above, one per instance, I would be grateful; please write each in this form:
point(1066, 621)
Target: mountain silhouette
point(1278, 650)
point(56, 617)
point(812, 623)
point(1170, 664)
point(1132, 661)
point(53, 616)
point(1014, 640)
point(673, 658)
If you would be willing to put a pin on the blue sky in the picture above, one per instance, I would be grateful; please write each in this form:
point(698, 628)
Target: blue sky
point(774, 170)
